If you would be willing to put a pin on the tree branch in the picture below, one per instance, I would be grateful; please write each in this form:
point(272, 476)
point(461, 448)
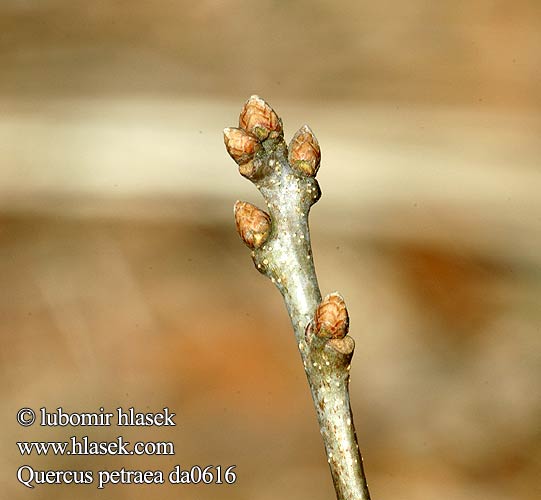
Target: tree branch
point(281, 250)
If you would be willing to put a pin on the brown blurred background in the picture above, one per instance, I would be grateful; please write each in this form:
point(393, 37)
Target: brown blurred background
point(124, 283)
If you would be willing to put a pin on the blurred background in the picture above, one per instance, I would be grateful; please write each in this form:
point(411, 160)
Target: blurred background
point(125, 284)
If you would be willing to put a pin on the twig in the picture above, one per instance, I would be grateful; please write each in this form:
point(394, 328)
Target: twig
point(281, 250)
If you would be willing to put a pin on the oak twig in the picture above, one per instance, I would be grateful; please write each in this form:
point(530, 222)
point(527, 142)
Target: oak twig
point(280, 243)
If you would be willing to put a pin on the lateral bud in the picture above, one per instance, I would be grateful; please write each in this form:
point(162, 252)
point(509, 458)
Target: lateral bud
point(253, 224)
point(331, 319)
point(240, 145)
point(304, 151)
point(259, 119)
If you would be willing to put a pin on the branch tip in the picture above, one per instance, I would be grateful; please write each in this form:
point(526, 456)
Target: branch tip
point(280, 249)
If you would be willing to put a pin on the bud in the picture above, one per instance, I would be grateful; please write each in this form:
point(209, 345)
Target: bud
point(251, 170)
point(344, 346)
point(304, 152)
point(253, 224)
point(240, 145)
point(259, 119)
point(331, 318)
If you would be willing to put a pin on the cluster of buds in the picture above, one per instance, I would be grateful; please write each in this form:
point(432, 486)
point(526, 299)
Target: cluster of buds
point(257, 122)
point(331, 319)
point(253, 224)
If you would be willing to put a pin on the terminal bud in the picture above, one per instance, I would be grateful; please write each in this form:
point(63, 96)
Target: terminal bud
point(259, 119)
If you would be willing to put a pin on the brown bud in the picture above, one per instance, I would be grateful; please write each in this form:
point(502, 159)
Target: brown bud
point(253, 224)
point(251, 170)
point(344, 346)
point(304, 152)
point(331, 318)
point(240, 145)
point(259, 119)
